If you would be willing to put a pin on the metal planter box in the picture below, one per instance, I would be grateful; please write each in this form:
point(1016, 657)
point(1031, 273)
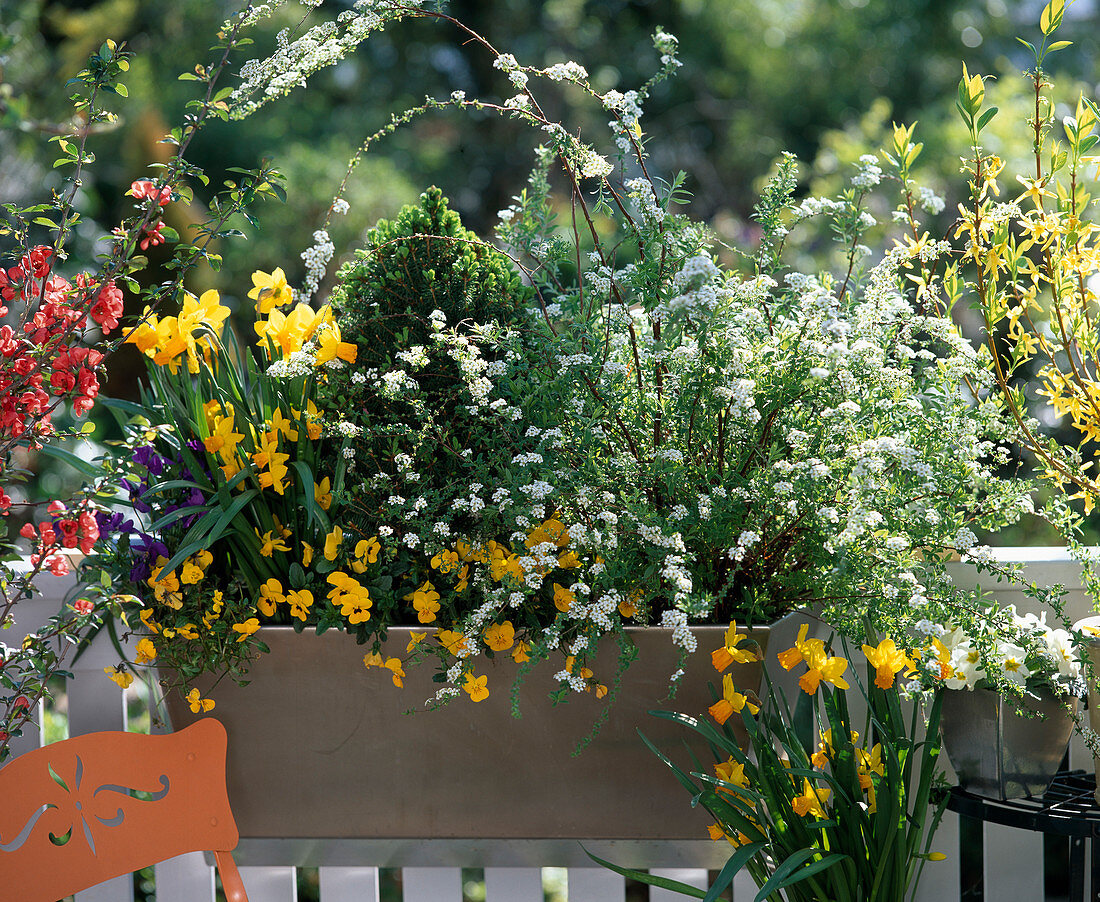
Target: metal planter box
point(323, 756)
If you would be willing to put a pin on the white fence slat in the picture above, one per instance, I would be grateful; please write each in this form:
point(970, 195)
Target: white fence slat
point(744, 887)
point(939, 881)
point(1013, 863)
point(432, 884)
point(121, 889)
point(691, 876)
point(270, 884)
point(187, 878)
point(348, 884)
point(513, 885)
point(596, 885)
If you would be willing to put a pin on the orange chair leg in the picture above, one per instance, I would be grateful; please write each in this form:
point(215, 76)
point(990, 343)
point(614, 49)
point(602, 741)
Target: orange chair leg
point(231, 877)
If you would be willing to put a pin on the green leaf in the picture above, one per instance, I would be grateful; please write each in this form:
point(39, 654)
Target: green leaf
point(985, 118)
point(788, 872)
point(643, 877)
point(120, 89)
point(82, 466)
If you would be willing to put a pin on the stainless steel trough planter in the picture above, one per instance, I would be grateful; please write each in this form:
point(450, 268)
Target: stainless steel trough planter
point(998, 753)
point(321, 748)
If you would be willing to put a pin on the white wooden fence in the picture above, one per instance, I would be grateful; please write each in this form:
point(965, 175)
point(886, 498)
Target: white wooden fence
point(1012, 867)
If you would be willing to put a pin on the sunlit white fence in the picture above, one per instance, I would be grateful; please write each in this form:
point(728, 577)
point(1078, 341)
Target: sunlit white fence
point(1008, 864)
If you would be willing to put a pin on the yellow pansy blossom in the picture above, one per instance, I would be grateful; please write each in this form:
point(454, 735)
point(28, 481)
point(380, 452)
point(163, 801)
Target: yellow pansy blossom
point(500, 636)
point(271, 593)
point(332, 543)
point(521, 653)
point(120, 675)
point(300, 601)
point(246, 629)
point(322, 493)
point(476, 687)
point(425, 601)
point(415, 639)
point(563, 598)
point(145, 652)
point(451, 640)
point(199, 705)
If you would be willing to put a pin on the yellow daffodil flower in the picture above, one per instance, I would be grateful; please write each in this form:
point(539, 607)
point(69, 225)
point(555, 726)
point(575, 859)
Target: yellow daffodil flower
point(812, 800)
point(269, 544)
point(729, 653)
point(270, 291)
point(731, 702)
point(888, 660)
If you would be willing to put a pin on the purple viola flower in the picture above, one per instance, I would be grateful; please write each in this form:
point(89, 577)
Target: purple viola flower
point(147, 457)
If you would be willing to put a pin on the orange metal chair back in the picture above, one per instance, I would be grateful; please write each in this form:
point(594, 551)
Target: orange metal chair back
point(78, 812)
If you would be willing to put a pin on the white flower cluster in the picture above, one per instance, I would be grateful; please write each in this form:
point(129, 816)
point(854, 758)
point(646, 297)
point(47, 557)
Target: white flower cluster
point(568, 71)
point(316, 259)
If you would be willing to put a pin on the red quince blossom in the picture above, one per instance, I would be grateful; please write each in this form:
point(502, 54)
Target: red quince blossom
point(152, 236)
point(143, 189)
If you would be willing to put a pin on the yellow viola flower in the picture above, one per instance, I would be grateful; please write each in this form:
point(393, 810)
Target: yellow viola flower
point(415, 639)
point(270, 290)
point(190, 573)
point(888, 660)
point(356, 608)
point(563, 598)
point(732, 702)
point(332, 543)
point(729, 653)
point(269, 543)
point(451, 640)
point(425, 601)
point(568, 560)
point(146, 617)
point(476, 687)
point(445, 561)
point(521, 653)
point(395, 667)
point(500, 636)
point(246, 629)
point(812, 800)
point(271, 593)
point(366, 552)
point(145, 652)
point(120, 675)
point(307, 554)
point(188, 631)
point(627, 607)
point(322, 493)
point(300, 601)
point(199, 705)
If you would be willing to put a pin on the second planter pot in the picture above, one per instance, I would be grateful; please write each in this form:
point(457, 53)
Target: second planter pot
point(999, 753)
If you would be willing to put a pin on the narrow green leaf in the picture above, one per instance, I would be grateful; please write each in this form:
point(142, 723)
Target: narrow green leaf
point(643, 877)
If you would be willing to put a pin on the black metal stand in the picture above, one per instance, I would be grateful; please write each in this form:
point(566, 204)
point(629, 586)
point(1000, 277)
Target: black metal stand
point(1067, 808)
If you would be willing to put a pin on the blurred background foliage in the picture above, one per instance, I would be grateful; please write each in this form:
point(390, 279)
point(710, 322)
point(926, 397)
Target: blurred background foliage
point(821, 78)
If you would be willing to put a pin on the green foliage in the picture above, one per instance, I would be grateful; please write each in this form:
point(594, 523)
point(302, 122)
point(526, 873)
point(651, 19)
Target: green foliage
point(832, 815)
point(417, 272)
